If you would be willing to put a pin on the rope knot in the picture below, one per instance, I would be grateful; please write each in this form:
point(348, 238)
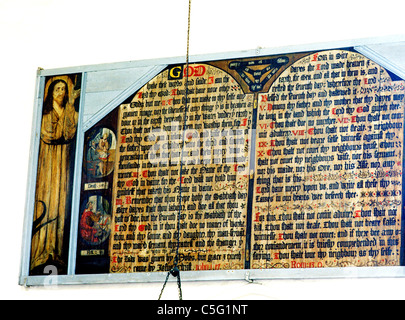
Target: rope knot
point(175, 272)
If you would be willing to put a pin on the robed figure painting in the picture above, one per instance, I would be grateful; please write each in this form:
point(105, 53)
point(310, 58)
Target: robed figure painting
point(54, 173)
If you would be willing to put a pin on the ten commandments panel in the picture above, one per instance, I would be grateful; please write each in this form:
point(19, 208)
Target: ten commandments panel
point(291, 161)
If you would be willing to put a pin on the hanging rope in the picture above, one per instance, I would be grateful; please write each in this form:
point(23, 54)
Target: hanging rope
point(175, 272)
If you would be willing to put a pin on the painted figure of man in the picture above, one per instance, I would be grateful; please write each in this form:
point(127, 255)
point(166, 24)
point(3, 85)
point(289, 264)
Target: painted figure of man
point(53, 186)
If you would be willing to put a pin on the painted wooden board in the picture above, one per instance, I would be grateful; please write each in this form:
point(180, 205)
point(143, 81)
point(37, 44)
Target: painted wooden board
point(284, 161)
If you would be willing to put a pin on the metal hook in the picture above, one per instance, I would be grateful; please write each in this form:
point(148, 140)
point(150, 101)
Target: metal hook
point(247, 277)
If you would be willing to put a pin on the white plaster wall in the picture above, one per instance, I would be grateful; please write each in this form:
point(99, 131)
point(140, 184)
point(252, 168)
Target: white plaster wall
point(63, 33)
